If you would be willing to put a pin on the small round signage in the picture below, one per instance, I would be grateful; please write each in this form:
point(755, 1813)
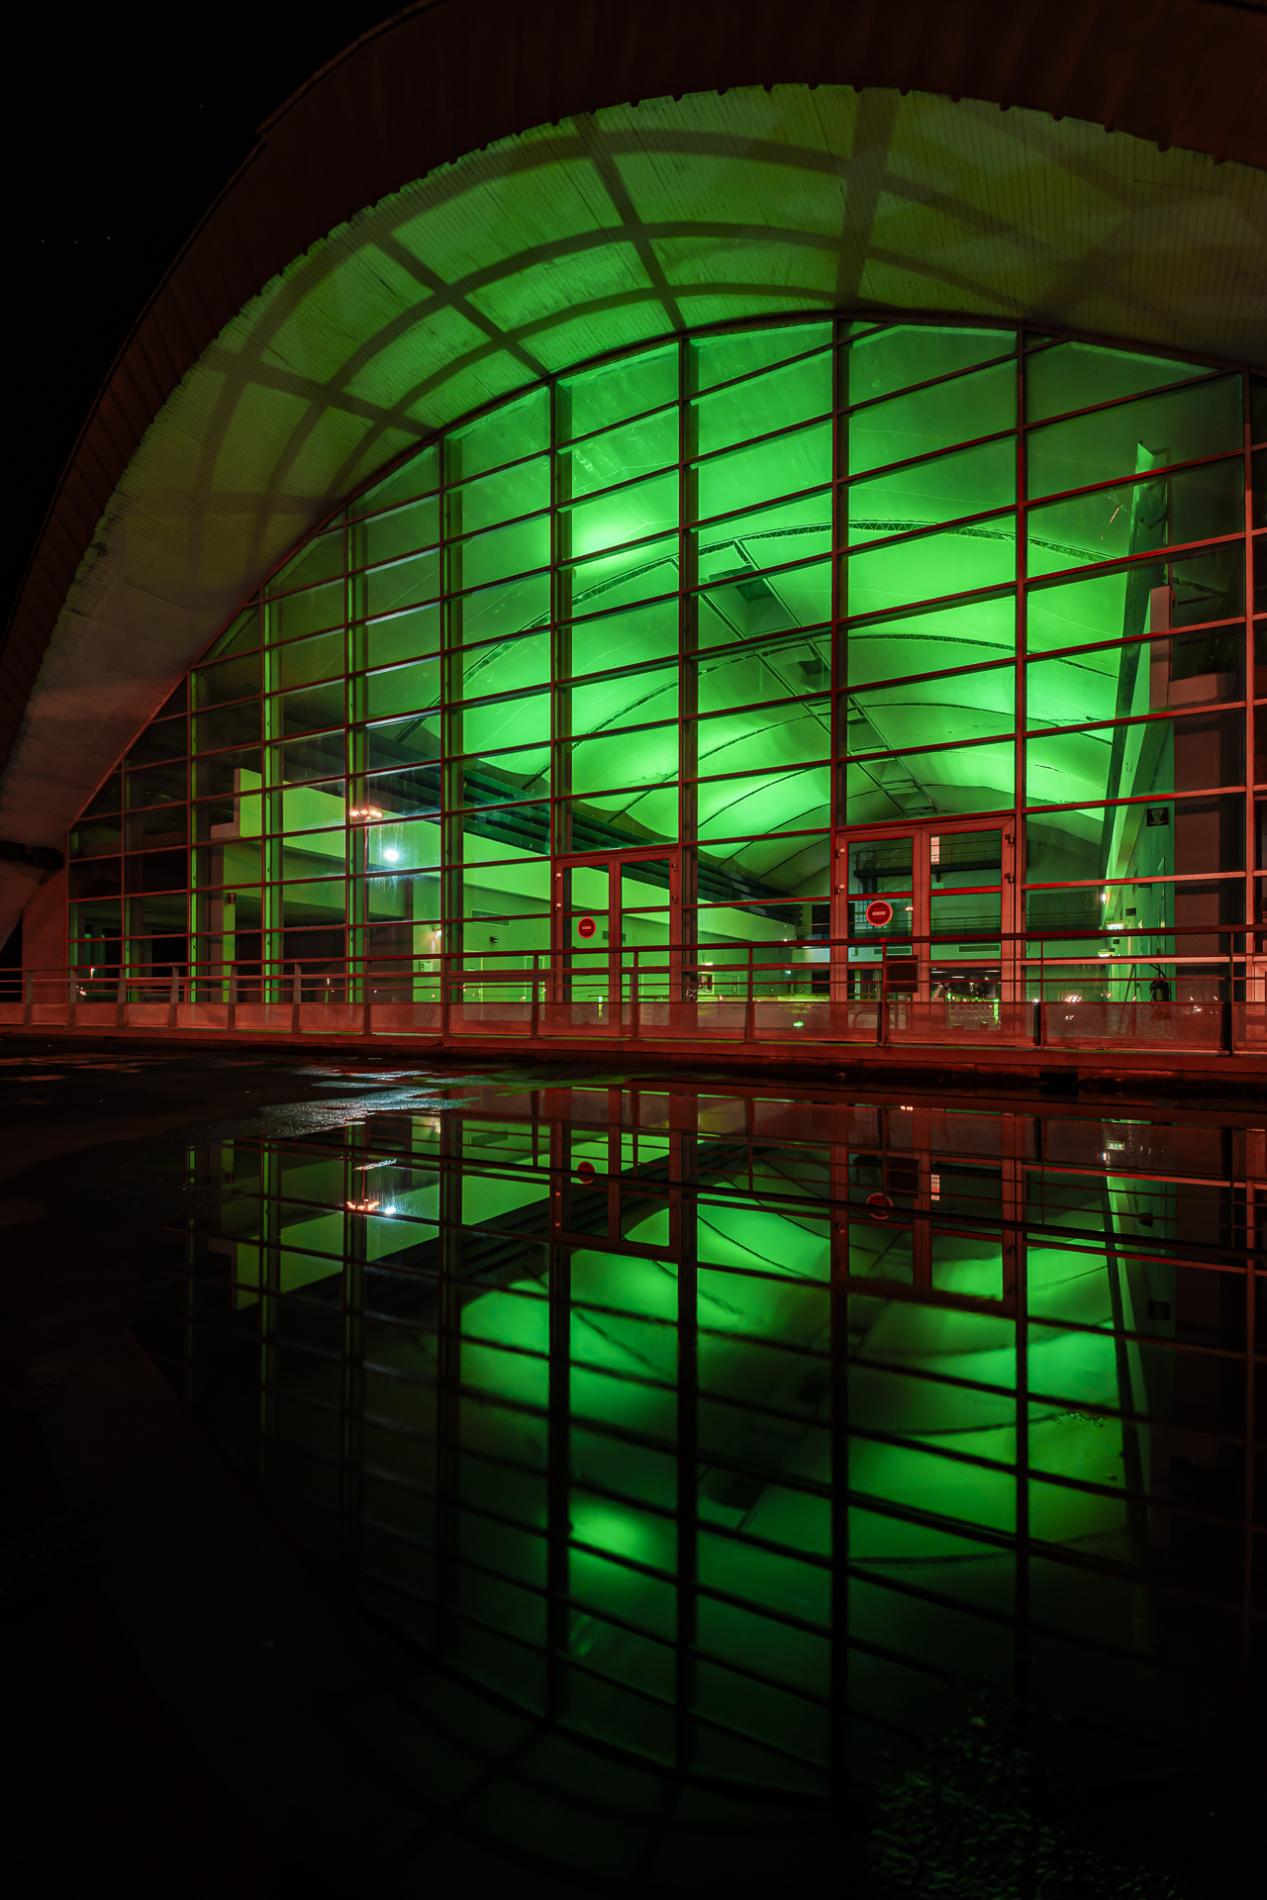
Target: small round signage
point(879, 912)
point(585, 1170)
point(880, 1205)
point(586, 927)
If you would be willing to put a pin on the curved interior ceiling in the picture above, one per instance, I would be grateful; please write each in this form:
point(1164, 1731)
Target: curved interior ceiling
point(574, 239)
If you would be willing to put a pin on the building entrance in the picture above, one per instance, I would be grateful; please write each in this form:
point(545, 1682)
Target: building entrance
point(616, 933)
point(924, 922)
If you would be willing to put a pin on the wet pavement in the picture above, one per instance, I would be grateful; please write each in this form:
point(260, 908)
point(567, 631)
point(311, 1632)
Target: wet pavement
point(609, 1484)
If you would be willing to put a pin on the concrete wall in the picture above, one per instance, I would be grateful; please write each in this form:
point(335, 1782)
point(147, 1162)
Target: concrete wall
point(44, 925)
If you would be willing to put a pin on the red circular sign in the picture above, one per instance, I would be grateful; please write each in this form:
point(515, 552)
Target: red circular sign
point(586, 1170)
point(586, 927)
point(879, 912)
point(880, 1205)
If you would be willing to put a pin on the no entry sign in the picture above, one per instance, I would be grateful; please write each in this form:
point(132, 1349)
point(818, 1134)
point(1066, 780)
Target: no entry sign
point(880, 1204)
point(586, 927)
point(879, 912)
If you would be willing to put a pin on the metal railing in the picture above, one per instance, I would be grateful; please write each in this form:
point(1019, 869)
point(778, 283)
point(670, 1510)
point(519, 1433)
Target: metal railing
point(1030, 993)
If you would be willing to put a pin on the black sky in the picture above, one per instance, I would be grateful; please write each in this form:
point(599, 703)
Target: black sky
point(120, 127)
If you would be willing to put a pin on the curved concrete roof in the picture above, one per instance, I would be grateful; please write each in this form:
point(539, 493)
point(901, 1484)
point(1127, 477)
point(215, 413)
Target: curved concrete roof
point(376, 269)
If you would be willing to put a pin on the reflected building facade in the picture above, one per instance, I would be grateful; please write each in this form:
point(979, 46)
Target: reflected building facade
point(740, 1434)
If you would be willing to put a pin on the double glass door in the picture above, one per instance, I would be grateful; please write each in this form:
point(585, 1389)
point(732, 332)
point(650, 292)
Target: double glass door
point(926, 915)
point(613, 932)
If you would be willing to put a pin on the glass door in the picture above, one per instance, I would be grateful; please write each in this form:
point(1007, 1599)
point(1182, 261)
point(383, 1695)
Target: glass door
point(615, 941)
point(923, 922)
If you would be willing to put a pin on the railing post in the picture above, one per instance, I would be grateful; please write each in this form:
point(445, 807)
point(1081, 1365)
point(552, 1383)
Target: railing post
point(635, 1022)
point(1040, 1024)
point(121, 998)
point(296, 998)
point(173, 997)
point(71, 987)
point(444, 996)
point(232, 1018)
point(534, 1011)
point(1228, 1024)
point(28, 996)
point(750, 998)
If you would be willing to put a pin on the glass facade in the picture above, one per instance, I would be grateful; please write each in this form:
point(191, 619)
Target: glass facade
point(920, 657)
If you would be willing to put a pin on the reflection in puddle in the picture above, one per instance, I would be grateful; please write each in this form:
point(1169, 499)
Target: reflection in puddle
point(756, 1439)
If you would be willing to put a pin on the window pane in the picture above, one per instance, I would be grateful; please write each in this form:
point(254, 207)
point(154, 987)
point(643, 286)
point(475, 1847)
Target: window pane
point(615, 390)
point(1153, 838)
point(400, 636)
point(930, 641)
point(898, 355)
point(401, 531)
point(749, 603)
point(795, 393)
point(797, 732)
point(309, 612)
point(1196, 505)
point(300, 662)
point(625, 638)
point(1146, 598)
point(931, 419)
point(509, 607)
point(1144, 676)
point(401, 689)
point(499, 552)
point(953, 705)
point(503, 435)
point(1076, 375)
point(971, 481)
point(598, 763)
point(617, 455)
point(509, 492)
point(399, 584)
point(764, 803)
point(1146, 757)
point(953, 562)
point(719, 359)
point(1179, 426)
point(769, 669)
point(744, 477)
point(923, 784)
point(231, 679)
point(627, 700)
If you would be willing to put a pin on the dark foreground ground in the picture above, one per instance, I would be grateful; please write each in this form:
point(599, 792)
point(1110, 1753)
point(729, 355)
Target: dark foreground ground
point(193, 1705)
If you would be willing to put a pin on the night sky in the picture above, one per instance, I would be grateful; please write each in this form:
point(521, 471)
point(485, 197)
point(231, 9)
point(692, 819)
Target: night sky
point(120, 128)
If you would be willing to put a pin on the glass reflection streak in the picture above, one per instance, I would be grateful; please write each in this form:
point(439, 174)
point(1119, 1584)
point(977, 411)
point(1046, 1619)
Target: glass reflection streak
point(734, 1430)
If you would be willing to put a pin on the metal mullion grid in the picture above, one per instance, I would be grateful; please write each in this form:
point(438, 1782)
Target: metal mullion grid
point(839, 660)
point(452, 934)
point(1248, 684)
point(560, 751)
point(684, 862)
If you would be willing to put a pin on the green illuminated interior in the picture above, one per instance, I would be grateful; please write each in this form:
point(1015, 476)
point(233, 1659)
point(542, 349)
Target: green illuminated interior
point(722, 593)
